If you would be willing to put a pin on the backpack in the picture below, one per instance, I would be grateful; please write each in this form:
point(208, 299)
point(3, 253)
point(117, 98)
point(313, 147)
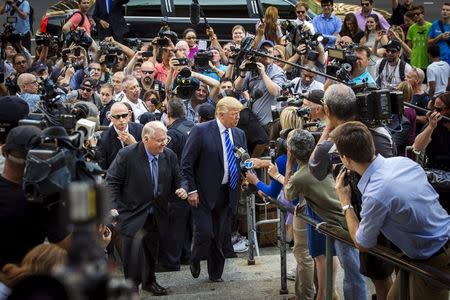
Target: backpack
point(383, 64)
point(73, 14)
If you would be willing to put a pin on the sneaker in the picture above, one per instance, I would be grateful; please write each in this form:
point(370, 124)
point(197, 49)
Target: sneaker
point(290, 275)
point(240, 247)
point(235, 238)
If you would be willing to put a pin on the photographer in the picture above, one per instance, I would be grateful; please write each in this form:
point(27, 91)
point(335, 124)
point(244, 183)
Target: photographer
point(122, 53)
point(391, 70)
point(264, 76)
point(19, 9)
point(79, 19)
point(24, 224)
point(217, 70)
point(29, 90)
point(306, 82)
point(398, 201)
point(341, 107)
point(148, 81)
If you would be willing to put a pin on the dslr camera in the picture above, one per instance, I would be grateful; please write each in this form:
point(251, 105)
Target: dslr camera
point(110, 51)
point(201, 60)
point(79, 37)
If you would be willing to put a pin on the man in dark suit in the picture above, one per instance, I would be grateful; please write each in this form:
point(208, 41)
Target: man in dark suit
point(122, 133)
point(108, 15)
point(212, 171)
point(141, 180)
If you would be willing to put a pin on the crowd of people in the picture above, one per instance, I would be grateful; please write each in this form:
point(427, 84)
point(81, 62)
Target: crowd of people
point(171, 117)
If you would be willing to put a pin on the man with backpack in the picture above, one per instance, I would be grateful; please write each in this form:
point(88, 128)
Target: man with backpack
point(440, 33)
point(79, 19)
point(391, 70)
point(22, 11)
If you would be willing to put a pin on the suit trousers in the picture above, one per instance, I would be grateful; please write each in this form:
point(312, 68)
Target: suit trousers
point(176, 243)
point(209, 233)
point(139, 253)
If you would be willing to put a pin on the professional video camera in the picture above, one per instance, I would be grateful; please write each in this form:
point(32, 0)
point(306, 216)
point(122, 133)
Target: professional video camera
point(8, 34)
point(185, 84)
point(376, 107)
point(201, 60)
point(135, 44)
point(301, 35)
point(295, 100)
point(49, 90)
point(44, 39)
point(165, 32)
point(110, 51)
point(343, 62)
point(79, 37)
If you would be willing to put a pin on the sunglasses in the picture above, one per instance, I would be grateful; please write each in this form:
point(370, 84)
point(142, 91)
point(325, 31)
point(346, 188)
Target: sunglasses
point(191, 37)
point(117, 117)
point(365, 4)
point(301, 11)
point(392, 51)
point(22, 62)
point(148, 72)
point(87, 89)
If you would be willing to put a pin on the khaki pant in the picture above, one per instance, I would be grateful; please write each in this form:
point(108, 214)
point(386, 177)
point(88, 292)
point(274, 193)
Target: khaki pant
point(420, 287)
point(304, 281)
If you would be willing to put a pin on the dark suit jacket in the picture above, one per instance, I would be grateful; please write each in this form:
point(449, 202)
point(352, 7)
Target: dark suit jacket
point(131, 188)
point(202, 162)
point(109, 144)
point(114, 18)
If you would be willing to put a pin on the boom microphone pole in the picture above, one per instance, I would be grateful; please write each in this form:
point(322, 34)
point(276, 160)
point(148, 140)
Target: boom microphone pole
point(423, 110)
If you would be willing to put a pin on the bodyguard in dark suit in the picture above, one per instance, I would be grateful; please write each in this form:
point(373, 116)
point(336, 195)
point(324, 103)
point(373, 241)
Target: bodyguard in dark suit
point(122, 133)
point(212, 170)
point(141, 180)
point(108, 15)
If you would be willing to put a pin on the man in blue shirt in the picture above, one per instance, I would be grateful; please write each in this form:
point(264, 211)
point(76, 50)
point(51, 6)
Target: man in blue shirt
point(328, 23)
point(21, 10)
point(29, 90)
point(398, 201)
point(440, 33)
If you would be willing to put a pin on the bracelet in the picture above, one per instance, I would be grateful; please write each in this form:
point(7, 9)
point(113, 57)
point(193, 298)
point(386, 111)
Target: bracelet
point(346, 207)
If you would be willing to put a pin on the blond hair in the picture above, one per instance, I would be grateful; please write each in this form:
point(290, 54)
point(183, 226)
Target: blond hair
point(289, 118)
point(407, 90)
point(151, 127)
point(228, 103)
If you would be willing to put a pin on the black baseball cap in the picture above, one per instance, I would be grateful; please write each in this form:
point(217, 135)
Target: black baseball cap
point(206, 111)
point(315, 96)
point(22, 138)
point(392, 44)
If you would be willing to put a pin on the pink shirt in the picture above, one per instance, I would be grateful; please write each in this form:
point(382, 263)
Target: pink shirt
point(161, 72)
point(76, 19)
point(361, 18)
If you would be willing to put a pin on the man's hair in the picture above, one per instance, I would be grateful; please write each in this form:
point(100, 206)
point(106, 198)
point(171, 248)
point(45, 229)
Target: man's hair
point(151, 127)
point(17, 55)
point(409, 14)
point(341, 102)
point(445, 97)
point(301, 144)
point(23, 78)
point(354, 140)
point(126, 80)
point(225, 79)
point(107, 86)
point(364, 48)
point(176, 109)
point(418, 7)
point(434, 51)
point(301, 3)
point(228, 103)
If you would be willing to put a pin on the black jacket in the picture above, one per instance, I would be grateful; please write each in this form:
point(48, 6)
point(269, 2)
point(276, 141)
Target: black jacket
point(104, 121)
point(179, 132)
point(131, 188)
point(115, 18)
point(109, 144)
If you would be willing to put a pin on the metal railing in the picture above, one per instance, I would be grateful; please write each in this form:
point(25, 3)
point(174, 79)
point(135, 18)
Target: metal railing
point(406, 265)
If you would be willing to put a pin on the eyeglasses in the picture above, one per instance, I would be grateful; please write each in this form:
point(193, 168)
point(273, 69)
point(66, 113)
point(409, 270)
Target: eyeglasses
point(365, 4)
point(301, 12)
point(123, 116)
point(22, 62)
point(33, 82)
point(166, 141)
point(87, 89)
point(191, 37)
point(148, 72)
point(392, 51)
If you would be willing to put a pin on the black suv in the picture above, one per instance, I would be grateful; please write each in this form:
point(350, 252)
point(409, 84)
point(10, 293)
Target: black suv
point(145, 17)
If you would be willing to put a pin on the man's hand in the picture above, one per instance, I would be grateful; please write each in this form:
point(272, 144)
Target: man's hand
point(273, 171)
point(443, 36)
point(261, 69)
point(114, 213)
point(193, 199)
point(433, 119)
point(105, 234)
point(181, 193)
point(343, 191)
point(104, 24)
point(251, 177)
point(210, 32)
point(126, 138)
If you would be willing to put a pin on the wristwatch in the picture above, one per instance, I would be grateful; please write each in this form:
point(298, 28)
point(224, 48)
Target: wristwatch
point(346, 207)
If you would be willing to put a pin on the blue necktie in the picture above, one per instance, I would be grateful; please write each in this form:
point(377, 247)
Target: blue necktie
point(232, 169)
point(154, 171)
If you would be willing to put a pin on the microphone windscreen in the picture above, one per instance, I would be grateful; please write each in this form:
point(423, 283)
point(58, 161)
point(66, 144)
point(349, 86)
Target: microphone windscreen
point(194, 13)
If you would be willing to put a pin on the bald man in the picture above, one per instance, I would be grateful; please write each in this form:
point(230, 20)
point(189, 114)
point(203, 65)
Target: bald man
point(148, 81)
point(121, 134)
point(29, 90)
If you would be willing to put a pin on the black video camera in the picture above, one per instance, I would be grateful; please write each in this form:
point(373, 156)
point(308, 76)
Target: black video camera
point(376, 107)
point(44, 39)
point(78, 37)
point(8, 34)
point(343, 62)
point(110, 51)
point(185, 84)
point(201, 60)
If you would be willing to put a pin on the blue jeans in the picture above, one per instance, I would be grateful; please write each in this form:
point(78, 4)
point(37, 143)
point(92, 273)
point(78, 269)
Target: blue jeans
point(355, 287)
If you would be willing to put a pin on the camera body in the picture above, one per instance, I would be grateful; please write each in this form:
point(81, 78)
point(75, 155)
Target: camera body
point(201, 60)
point(79, 37)
point(44, 39)
point(185, 84)
point(343, 62)
point(110, 51)
point(376, 107)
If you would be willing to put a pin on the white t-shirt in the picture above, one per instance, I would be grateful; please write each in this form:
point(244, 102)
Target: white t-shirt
point(307, 24)
point(300, 88)
point(390, 75)
point(138, 108)
point(439, 72)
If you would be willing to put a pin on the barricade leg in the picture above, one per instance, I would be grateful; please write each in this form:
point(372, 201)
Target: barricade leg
point(252, 239)
point(282, 245)
point(329, 255)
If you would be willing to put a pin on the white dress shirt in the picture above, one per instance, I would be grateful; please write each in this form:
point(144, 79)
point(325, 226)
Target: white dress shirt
point(224, 149)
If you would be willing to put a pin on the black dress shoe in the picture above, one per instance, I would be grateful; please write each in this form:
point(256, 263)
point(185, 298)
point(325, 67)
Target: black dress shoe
point(195, 269)
point(155, 289)
point(216, 279)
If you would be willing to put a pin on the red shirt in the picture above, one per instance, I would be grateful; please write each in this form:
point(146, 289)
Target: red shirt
point(76, 19)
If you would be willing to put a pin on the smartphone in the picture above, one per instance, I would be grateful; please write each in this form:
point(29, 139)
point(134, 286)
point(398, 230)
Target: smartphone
point(181, 61)
point(77, 51)
point(147, 54)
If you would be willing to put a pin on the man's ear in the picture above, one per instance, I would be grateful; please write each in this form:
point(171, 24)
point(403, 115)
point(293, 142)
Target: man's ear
point(326, 110)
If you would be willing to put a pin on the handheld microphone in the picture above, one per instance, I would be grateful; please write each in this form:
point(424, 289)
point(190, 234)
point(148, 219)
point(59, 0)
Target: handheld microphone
point(246, 163)
point(194, 12)
point(272, 151)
